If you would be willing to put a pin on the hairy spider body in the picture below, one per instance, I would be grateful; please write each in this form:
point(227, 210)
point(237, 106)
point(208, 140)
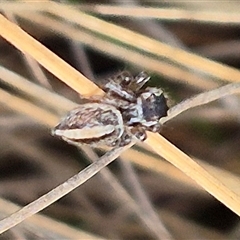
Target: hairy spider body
point(141, 109)
point(93, 124)
point(124, 112)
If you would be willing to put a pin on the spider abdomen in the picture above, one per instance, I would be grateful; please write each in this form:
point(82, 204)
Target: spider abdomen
point(91, 123)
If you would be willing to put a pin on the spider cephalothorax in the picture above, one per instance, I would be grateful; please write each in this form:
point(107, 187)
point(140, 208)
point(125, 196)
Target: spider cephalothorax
point(124, 112)
point(140, 108)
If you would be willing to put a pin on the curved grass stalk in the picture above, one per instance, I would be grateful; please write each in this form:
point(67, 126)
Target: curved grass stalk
point(169, 14)
point(61, 190)
point(201, 99)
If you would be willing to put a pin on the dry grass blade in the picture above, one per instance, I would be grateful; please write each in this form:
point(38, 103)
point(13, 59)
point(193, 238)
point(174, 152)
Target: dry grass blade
point(32, 63)
point(149, 219)
point(25, 43)
point(41, 223)
point(33, 91)
point(24, 107)
point(149, 45)
point(201, 99)
point(195, 171)
point(61, 190)
point(158, 165)
point(173, 14)
point(127, 54)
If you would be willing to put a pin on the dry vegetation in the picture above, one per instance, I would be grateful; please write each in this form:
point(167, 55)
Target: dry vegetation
point(189, 48)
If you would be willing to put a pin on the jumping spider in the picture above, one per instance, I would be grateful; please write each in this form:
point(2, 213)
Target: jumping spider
point(124, 112)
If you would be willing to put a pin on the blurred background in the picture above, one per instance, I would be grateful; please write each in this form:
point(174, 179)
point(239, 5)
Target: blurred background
point(139, 196)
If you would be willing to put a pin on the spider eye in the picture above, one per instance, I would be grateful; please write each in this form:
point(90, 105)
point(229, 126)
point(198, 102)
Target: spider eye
point(125, 78)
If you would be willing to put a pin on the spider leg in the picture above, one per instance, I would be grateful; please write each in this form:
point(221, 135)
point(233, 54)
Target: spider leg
point(137, 83)
point(116, 89)
point(125, 86)
point(156, 127)
point(127, 81)
point(139, 132)
point(110, 100)
point(124, 140)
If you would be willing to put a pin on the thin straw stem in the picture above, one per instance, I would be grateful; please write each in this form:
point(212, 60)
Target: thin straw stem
point(25, 43)
point(195, 171)
point(201, 99)
point(61, 190)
